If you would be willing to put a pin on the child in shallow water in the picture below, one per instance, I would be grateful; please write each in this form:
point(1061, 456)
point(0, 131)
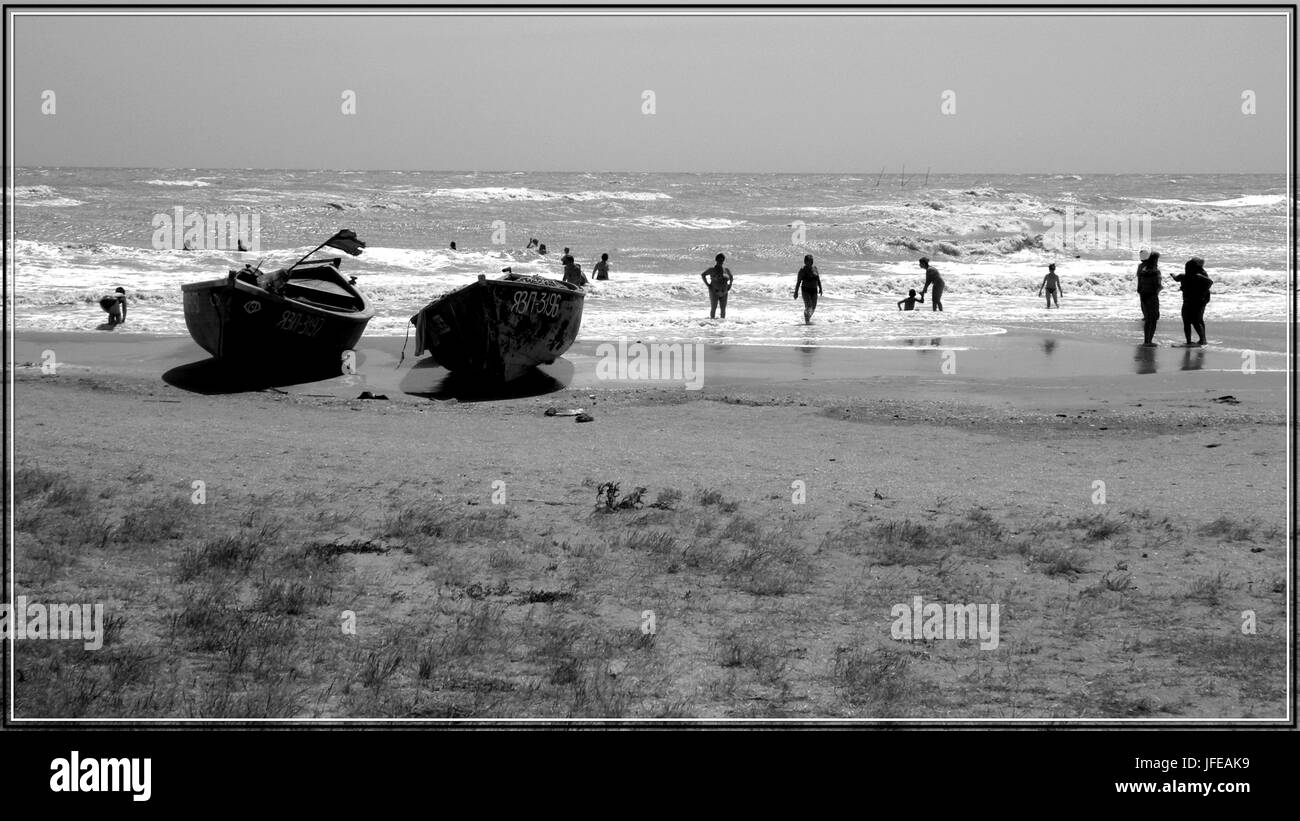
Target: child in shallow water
point(909, 304)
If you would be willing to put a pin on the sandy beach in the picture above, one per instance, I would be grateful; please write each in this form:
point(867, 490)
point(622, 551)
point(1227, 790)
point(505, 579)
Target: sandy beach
point(445, 553)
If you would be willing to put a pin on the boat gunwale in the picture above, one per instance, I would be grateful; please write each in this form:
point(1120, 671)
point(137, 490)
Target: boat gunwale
point(559, 285)
point(367, 311)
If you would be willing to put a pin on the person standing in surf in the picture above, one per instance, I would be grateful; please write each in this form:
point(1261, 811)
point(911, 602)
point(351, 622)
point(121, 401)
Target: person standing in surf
point(1053, 285)
point(1148, 287)
point(808, 283)
point(573, 272)
point(115, 305)
point(932, 278)
point(601, 269)
point(1196, 294)
point(719, 281)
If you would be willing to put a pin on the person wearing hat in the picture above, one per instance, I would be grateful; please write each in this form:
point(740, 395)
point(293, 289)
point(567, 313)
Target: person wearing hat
point(719, 281)
point(1195, 285)
point(1053, 284)
point(1148, 287)
point(809, 283)
point(115, 305)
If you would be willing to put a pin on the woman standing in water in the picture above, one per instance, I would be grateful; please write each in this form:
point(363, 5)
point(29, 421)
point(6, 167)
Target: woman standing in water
point(809, 284)
point(1196, 293)
point(1149, 286)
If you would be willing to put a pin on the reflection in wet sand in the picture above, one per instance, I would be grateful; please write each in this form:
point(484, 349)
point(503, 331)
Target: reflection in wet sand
point(1145, 359)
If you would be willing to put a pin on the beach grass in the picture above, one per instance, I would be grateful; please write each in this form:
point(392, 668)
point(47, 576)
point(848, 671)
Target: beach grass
point(248, 610)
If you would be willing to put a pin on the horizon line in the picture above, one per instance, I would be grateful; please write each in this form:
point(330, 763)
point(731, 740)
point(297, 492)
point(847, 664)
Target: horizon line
point(626, 171)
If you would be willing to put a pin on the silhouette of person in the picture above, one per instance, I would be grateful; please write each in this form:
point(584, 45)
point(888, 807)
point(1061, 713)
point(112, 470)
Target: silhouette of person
point(909, 303)
point(1148, 288)
point(932, 278)
point(1196, 293)
point(1053, 284)
point(719, 280)
point(115, 305)
point(809, 284)
point(572, 273)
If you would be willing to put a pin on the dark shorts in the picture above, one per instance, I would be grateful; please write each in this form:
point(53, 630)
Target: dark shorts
point(809, 298)
point(1193, 311)
point(1150, 306)
point(937, 290)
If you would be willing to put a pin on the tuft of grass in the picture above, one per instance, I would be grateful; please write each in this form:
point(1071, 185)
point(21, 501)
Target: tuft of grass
point(1099, 526)
point(771, 566)
point(743, 647)
point(156, 522)
point(31, 482)
point(505, 559)
point(667, 498)
point(657, 542)
point(237, 552)
point(908, 543)
point(879, 678)
point(596, 694)
point(708, 497)
point(1060, 561)
point(1227, 529)
point(1209, 589)
point(291, 597)
point(439, 522)
point(1117, 583)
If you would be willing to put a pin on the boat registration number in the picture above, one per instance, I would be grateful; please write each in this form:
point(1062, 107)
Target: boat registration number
point(536, 302)
point(305, 324)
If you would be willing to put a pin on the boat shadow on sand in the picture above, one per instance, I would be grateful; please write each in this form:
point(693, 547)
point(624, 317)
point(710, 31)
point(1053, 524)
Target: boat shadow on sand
point(212, 377)
point(431, 381)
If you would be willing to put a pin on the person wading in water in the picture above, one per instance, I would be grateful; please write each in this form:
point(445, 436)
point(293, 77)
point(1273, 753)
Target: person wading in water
point(719, 281)
point(809, 283)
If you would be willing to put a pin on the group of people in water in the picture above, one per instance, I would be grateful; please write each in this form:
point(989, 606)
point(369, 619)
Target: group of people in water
point(1194, 283)
point(808, 284)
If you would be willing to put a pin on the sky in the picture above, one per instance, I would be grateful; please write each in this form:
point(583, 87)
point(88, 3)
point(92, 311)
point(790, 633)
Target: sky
point(736, 92)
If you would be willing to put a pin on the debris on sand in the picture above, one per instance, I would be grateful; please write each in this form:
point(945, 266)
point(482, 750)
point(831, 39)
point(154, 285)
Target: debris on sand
point(565, 411)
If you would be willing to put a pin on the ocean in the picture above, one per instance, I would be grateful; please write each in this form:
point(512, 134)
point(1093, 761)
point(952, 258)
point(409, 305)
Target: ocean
point(80, 232)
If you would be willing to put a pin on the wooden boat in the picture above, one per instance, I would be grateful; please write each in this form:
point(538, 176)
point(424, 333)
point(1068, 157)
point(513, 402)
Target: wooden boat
point(499, 329)
point(305, 317)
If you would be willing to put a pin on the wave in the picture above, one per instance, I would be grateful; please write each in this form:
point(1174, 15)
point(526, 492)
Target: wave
point(1245, 201)
point(44, 196)
point(179, 183)
point(696, 224)
point(497, 194)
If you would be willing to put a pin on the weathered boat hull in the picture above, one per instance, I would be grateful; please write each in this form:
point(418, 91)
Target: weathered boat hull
point(239, 322)
point(499, 329)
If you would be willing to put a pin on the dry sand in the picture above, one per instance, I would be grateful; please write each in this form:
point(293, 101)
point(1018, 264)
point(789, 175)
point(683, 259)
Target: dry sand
point(971, 487)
